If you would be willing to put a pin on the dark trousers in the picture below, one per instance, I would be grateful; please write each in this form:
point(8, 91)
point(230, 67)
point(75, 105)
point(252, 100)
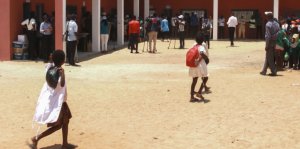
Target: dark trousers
point(181, 39)
point(164, 35)
point(231, 35)
point(270, 59)
point(133, 42)
point(32, 44)
point(207, 39)
point(221, 32)
point(46, 47)
point(71, 47)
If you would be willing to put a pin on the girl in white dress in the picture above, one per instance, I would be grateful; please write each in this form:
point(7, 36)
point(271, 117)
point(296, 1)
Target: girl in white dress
point(52, 108)
point(200, 70)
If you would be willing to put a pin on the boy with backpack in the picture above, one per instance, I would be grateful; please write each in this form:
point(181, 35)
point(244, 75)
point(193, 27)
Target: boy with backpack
point(196, 59)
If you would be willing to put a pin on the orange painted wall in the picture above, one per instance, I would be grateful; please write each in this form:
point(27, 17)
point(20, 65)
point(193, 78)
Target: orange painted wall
point(289, 7)
point(5, 32)
point(177, 5)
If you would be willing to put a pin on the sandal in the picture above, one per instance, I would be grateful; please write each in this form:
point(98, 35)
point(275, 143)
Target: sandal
point(199, 96)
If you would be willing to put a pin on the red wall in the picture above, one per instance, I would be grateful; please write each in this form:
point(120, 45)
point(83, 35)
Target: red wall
point(5, 32)
point(289, 7)
point(177, 5)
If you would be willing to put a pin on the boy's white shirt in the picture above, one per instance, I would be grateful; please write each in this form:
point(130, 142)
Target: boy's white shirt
point(50, 102)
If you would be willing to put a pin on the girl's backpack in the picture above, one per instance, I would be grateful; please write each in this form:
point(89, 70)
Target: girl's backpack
point(52, 77)
point(193, 57)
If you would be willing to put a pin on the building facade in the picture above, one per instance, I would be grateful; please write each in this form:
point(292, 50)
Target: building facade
point(13, 12)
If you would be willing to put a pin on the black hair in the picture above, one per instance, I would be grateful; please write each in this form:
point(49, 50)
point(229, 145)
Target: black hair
point(58, 57)
point(199, 38)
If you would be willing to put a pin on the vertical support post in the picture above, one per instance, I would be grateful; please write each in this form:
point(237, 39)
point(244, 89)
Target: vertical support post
point(215, 19)
point(136, 10)
point(96, 25)
point(60, 24)
point(276, 9)
point(120, 11)
point(146, 8)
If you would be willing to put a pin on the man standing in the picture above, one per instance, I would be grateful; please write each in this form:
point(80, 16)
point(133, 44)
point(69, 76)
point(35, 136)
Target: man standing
point(72, 29)
point(272, 29)
point(181, 32)
point(221, 23)
point(30, 24)
point(206, 26)
point(153, 27)
point(242, 27)
point(232, 23)
point(134, 32)
point(46, 30)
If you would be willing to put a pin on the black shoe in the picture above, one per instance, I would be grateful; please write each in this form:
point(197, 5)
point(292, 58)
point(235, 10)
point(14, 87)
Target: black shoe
point(272, 74)
point(262, 73)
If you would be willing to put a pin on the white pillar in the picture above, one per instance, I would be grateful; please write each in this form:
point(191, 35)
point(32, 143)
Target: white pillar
point(146, 8)
point(136, 9)
point(96, 25)
point(276, 9)
point(120, 15)
point(64, 23)
point(215, 20)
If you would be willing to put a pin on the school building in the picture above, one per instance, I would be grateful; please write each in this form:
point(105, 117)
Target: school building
point(13, 12)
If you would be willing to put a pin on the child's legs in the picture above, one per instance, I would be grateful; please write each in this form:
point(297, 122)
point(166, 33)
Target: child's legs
point(154, 40)
point(193, 86)
point(203, 84)
point(65, 130)
point(102, 42)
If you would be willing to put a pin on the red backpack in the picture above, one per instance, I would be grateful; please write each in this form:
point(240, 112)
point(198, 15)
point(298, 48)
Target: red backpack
point(192, 55)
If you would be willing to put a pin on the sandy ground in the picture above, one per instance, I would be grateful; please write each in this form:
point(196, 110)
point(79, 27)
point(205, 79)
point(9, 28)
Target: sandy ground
point(134, 101)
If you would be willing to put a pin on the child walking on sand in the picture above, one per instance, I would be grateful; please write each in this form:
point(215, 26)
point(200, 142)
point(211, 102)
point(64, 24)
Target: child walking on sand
point(52, 108)
point(199, 71)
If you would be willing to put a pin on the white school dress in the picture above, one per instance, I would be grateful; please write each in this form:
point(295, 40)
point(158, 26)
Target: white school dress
point(201, 69)
point(50, 102)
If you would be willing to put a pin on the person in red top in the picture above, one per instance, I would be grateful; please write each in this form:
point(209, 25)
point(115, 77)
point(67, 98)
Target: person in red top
point(133, 32)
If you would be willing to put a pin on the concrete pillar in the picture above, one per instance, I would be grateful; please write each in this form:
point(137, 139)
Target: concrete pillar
point(136, 8)
point(5, 42)
point(60, 24)
point(215, 19)
point(96, 25)
point(276, 9)
point(120, 15)
point(146, 8)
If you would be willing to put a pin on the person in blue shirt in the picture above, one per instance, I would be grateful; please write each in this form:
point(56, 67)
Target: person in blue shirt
point(164, 25)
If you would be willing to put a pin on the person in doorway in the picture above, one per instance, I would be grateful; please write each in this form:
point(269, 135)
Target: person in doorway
point(72, 29)
point(181, 31)
point(206, 27)
point(232, 23)
point(134, 32)
point(46, 30)
point(221, 25)
point(52, 108)
point(30, 25)
point(272, 29)
point(104, 33)
point(242, 27)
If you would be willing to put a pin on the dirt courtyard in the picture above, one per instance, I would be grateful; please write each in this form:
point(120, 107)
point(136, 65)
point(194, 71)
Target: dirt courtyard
point(141, 101)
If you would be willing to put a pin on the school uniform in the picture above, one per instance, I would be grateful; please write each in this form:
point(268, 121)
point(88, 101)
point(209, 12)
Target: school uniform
point(71, 41)
point(31, 35)
point(51, 105)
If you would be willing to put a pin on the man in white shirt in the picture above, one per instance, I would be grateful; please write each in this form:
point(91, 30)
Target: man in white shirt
point(72, 29)
point(30, 25)
point(232, 23)
point(181, 31)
